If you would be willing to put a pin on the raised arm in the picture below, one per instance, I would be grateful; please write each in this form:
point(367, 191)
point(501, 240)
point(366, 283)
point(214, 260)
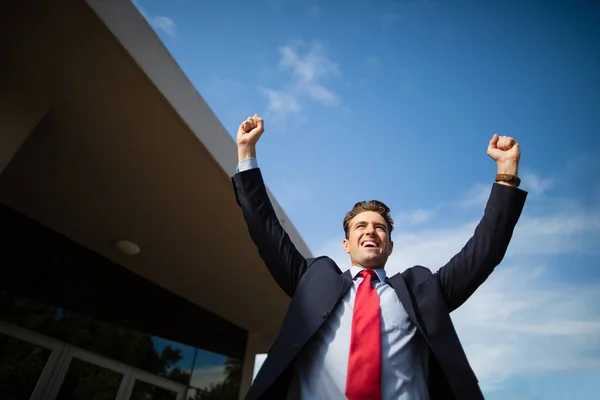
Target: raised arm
point(468, 269)
point(284, 261)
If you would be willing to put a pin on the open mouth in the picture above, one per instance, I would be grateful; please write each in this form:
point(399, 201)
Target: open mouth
point(370, 244)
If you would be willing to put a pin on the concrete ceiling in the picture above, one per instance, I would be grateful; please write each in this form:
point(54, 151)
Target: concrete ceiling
point(111, 157)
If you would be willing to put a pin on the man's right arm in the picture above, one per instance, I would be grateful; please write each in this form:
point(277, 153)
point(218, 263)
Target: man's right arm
point(284, 261)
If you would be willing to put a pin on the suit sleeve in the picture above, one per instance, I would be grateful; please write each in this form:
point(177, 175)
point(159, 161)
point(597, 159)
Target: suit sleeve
point(468, 269)
point(284, 261)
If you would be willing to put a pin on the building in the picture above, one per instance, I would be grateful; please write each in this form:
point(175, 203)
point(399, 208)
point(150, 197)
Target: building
point(103, 139)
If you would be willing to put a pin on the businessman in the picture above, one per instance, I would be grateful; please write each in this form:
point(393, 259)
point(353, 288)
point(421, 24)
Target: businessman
point(360, 334)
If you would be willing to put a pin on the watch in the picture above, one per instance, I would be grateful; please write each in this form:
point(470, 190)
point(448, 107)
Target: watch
point(512, 179)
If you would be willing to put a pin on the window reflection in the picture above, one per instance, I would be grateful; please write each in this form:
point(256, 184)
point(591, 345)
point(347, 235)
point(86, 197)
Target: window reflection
point(176, 359)
point(85, 381)
point(21, 365)
point(156, 355)
point(208, 375)
point(215, 377)
point(216, 393)
point(146, 391)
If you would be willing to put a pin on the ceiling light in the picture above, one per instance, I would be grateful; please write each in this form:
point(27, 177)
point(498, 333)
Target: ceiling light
point(128, 248)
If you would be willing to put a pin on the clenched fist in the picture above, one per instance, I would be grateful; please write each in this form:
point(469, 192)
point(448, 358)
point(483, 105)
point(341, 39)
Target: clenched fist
point(247, 136)
point(505, 151)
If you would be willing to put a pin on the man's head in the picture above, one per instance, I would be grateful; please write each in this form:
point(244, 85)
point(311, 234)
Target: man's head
point(368, 228)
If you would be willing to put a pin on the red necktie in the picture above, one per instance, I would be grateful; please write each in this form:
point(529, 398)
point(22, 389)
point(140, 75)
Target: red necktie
point(364, 364)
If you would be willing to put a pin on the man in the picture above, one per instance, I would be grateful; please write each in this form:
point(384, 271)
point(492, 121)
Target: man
point(360, 334)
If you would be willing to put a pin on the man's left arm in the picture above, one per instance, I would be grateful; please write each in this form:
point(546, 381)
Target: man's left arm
point(468, 269)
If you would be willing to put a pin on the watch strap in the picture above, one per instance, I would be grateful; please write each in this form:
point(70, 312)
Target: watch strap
point(513, 179)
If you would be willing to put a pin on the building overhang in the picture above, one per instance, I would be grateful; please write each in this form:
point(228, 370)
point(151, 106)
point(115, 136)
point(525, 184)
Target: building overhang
point(122, 146)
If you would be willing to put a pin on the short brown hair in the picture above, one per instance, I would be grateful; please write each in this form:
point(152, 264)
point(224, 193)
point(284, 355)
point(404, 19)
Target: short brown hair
point(371, 205)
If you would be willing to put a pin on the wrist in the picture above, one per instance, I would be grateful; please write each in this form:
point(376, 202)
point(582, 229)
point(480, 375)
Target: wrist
point(508, 168)
point(245, 152)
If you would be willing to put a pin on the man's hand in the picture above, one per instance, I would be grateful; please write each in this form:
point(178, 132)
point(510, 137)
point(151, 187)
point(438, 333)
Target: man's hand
point(505, 151)
point(247, 136)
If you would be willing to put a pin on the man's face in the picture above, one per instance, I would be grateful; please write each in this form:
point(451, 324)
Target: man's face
point(368, 242)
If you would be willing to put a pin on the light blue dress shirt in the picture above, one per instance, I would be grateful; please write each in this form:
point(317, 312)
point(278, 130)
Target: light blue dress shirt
point(321, 368)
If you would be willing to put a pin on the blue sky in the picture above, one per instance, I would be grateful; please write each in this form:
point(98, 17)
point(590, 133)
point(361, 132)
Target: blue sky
point(397, 101)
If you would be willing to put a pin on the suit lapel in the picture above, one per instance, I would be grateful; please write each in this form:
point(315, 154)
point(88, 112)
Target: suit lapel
point(346, 282)
point(399, 284)
point(322, 298)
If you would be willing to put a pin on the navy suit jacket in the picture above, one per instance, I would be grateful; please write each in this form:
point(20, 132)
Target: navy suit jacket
point(316, 285)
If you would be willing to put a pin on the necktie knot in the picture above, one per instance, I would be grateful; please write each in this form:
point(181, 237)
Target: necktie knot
point(369, 275)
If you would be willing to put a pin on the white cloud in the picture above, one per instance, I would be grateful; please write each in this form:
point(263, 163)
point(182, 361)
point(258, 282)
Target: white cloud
point(158, 22)
point(476, 196)
point(322, 95)
point(414, 217)
point(561, 232)
point(534, 184)
point(309, 68)
point(281, 104)
point(205, 377)
point(518, 323)
point(164, 24)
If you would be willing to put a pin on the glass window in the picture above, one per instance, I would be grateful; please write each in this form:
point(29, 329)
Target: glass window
point(175, 361)
point(146, 391)
point(85, 381)
point(215, 377)
point(153, 354)
point(21, 365)
point(215, 393)
point(210, 375)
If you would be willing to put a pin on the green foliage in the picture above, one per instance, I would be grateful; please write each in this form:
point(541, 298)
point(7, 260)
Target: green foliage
point(229, 388)
point(23, 362)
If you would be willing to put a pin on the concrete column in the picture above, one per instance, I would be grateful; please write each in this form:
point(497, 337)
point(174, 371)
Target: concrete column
point(255, 345)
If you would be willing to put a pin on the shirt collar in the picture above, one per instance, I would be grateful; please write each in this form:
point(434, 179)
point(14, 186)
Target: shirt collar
point(354, 270)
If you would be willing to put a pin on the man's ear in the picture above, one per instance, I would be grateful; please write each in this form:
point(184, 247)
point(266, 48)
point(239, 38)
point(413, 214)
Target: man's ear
point(346, 246)
point(391, 248)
